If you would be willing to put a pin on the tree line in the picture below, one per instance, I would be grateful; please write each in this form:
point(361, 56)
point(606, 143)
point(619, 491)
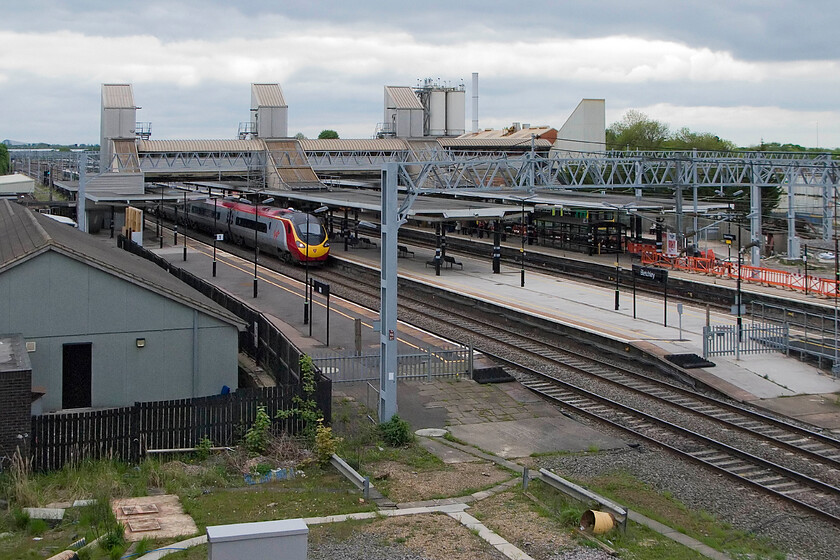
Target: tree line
point(637, 131)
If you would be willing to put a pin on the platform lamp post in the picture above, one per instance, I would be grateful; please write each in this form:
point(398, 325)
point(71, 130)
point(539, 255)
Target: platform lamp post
point(738, 304)
point(522, 199)
point(215, 229)
point(256, 241)
point(160, 211)
point(187, 220)
point(307, 298)
point(186, 225)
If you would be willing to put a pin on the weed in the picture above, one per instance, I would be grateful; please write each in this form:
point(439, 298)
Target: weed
point(305, 408)
point(256, 438)
point(203, 448)
point(20, 518)
point(37, 527)
point(396, 432)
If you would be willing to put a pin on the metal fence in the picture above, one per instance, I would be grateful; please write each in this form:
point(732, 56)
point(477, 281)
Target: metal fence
point(421, 365)
point(754, 338)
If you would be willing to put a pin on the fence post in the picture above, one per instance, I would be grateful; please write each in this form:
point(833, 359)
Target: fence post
point(470, 361)
point(135, 447)
point(706, 342)
point(429, 364)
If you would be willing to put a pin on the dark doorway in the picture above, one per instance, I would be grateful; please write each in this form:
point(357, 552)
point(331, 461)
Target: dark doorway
point(76, 375)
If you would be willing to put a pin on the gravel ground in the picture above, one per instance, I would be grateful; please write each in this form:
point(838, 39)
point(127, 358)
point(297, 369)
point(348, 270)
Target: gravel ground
point(787, 527)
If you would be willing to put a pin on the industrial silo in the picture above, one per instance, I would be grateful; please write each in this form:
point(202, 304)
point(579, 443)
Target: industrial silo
point(455, 112)
point(437, 113)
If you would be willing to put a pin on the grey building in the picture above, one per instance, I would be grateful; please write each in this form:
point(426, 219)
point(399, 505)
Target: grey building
point(105, 328)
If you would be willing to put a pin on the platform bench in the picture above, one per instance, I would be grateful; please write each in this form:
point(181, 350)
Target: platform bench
point(450, 261)
point(402, 251)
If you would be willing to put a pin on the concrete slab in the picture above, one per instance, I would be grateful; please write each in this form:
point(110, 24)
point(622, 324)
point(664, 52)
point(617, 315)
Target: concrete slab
point(446, 453)
point(169, 517)
point(820, 410)
point(51, 515)
point(521, 438)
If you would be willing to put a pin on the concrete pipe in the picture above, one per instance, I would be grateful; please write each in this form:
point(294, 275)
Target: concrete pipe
point(597, 522)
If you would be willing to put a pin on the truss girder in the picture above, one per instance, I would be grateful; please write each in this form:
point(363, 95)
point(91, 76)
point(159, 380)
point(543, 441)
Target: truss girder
point(187, 162)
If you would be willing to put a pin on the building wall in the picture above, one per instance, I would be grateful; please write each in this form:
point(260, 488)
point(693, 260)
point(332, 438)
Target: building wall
point(55, 300)
point(15, 397)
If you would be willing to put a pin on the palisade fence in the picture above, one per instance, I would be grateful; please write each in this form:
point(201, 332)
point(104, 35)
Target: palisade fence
point(128, 433)
point(749, 338)
point(419, 365)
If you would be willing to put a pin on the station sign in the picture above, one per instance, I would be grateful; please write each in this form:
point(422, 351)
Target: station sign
point(321, 287)
point(728, 238)
point(658, 275)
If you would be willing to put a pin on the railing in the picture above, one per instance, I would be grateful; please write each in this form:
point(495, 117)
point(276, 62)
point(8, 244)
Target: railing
point(754, 338)
point(421, 365)
point(752, 274)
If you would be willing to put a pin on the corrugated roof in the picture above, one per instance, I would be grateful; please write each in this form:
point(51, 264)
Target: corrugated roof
point(403, 98)
point(524, 133)
point(506, 142)
point(268, 95)
point(117, 96)
point(252, 145)
point(25, 234)
point(351, 145)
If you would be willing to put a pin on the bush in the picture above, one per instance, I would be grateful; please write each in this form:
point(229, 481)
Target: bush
point(325, 443)
point(396, 432)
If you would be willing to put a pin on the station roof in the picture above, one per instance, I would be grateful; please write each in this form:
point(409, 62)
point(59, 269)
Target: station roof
point(426, 208)
point(472, 205)
point(351, 145)
point(200, 145)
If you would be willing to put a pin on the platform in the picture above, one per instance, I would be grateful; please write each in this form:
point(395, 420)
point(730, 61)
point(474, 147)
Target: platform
point(765, 379)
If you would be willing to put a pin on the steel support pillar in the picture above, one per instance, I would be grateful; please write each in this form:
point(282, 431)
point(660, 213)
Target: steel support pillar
point(388, 300)
point(755, 218)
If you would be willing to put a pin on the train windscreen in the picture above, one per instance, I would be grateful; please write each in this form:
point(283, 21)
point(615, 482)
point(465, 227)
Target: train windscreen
point(315, 235)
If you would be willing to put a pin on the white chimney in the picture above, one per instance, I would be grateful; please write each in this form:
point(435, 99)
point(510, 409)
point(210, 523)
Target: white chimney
point(475, 102)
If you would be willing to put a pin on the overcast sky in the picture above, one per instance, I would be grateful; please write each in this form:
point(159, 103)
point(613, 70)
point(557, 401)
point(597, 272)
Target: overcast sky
point(745, 70)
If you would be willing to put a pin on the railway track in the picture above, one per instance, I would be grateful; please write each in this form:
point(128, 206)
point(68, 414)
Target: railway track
point(794, 463)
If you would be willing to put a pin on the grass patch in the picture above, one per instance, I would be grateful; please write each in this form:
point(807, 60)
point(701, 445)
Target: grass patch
point(663, 507)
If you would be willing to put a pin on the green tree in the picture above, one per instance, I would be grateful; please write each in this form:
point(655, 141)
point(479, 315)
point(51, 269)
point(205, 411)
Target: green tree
point(636, 131)
point(300, 136)
point(685, 139)
point(5, 162)
point(327, 134)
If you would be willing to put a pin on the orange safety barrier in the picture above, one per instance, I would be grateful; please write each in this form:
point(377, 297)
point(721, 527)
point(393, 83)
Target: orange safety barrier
point(753, 274)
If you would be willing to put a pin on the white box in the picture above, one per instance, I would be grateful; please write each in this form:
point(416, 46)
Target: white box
point(263, 540)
